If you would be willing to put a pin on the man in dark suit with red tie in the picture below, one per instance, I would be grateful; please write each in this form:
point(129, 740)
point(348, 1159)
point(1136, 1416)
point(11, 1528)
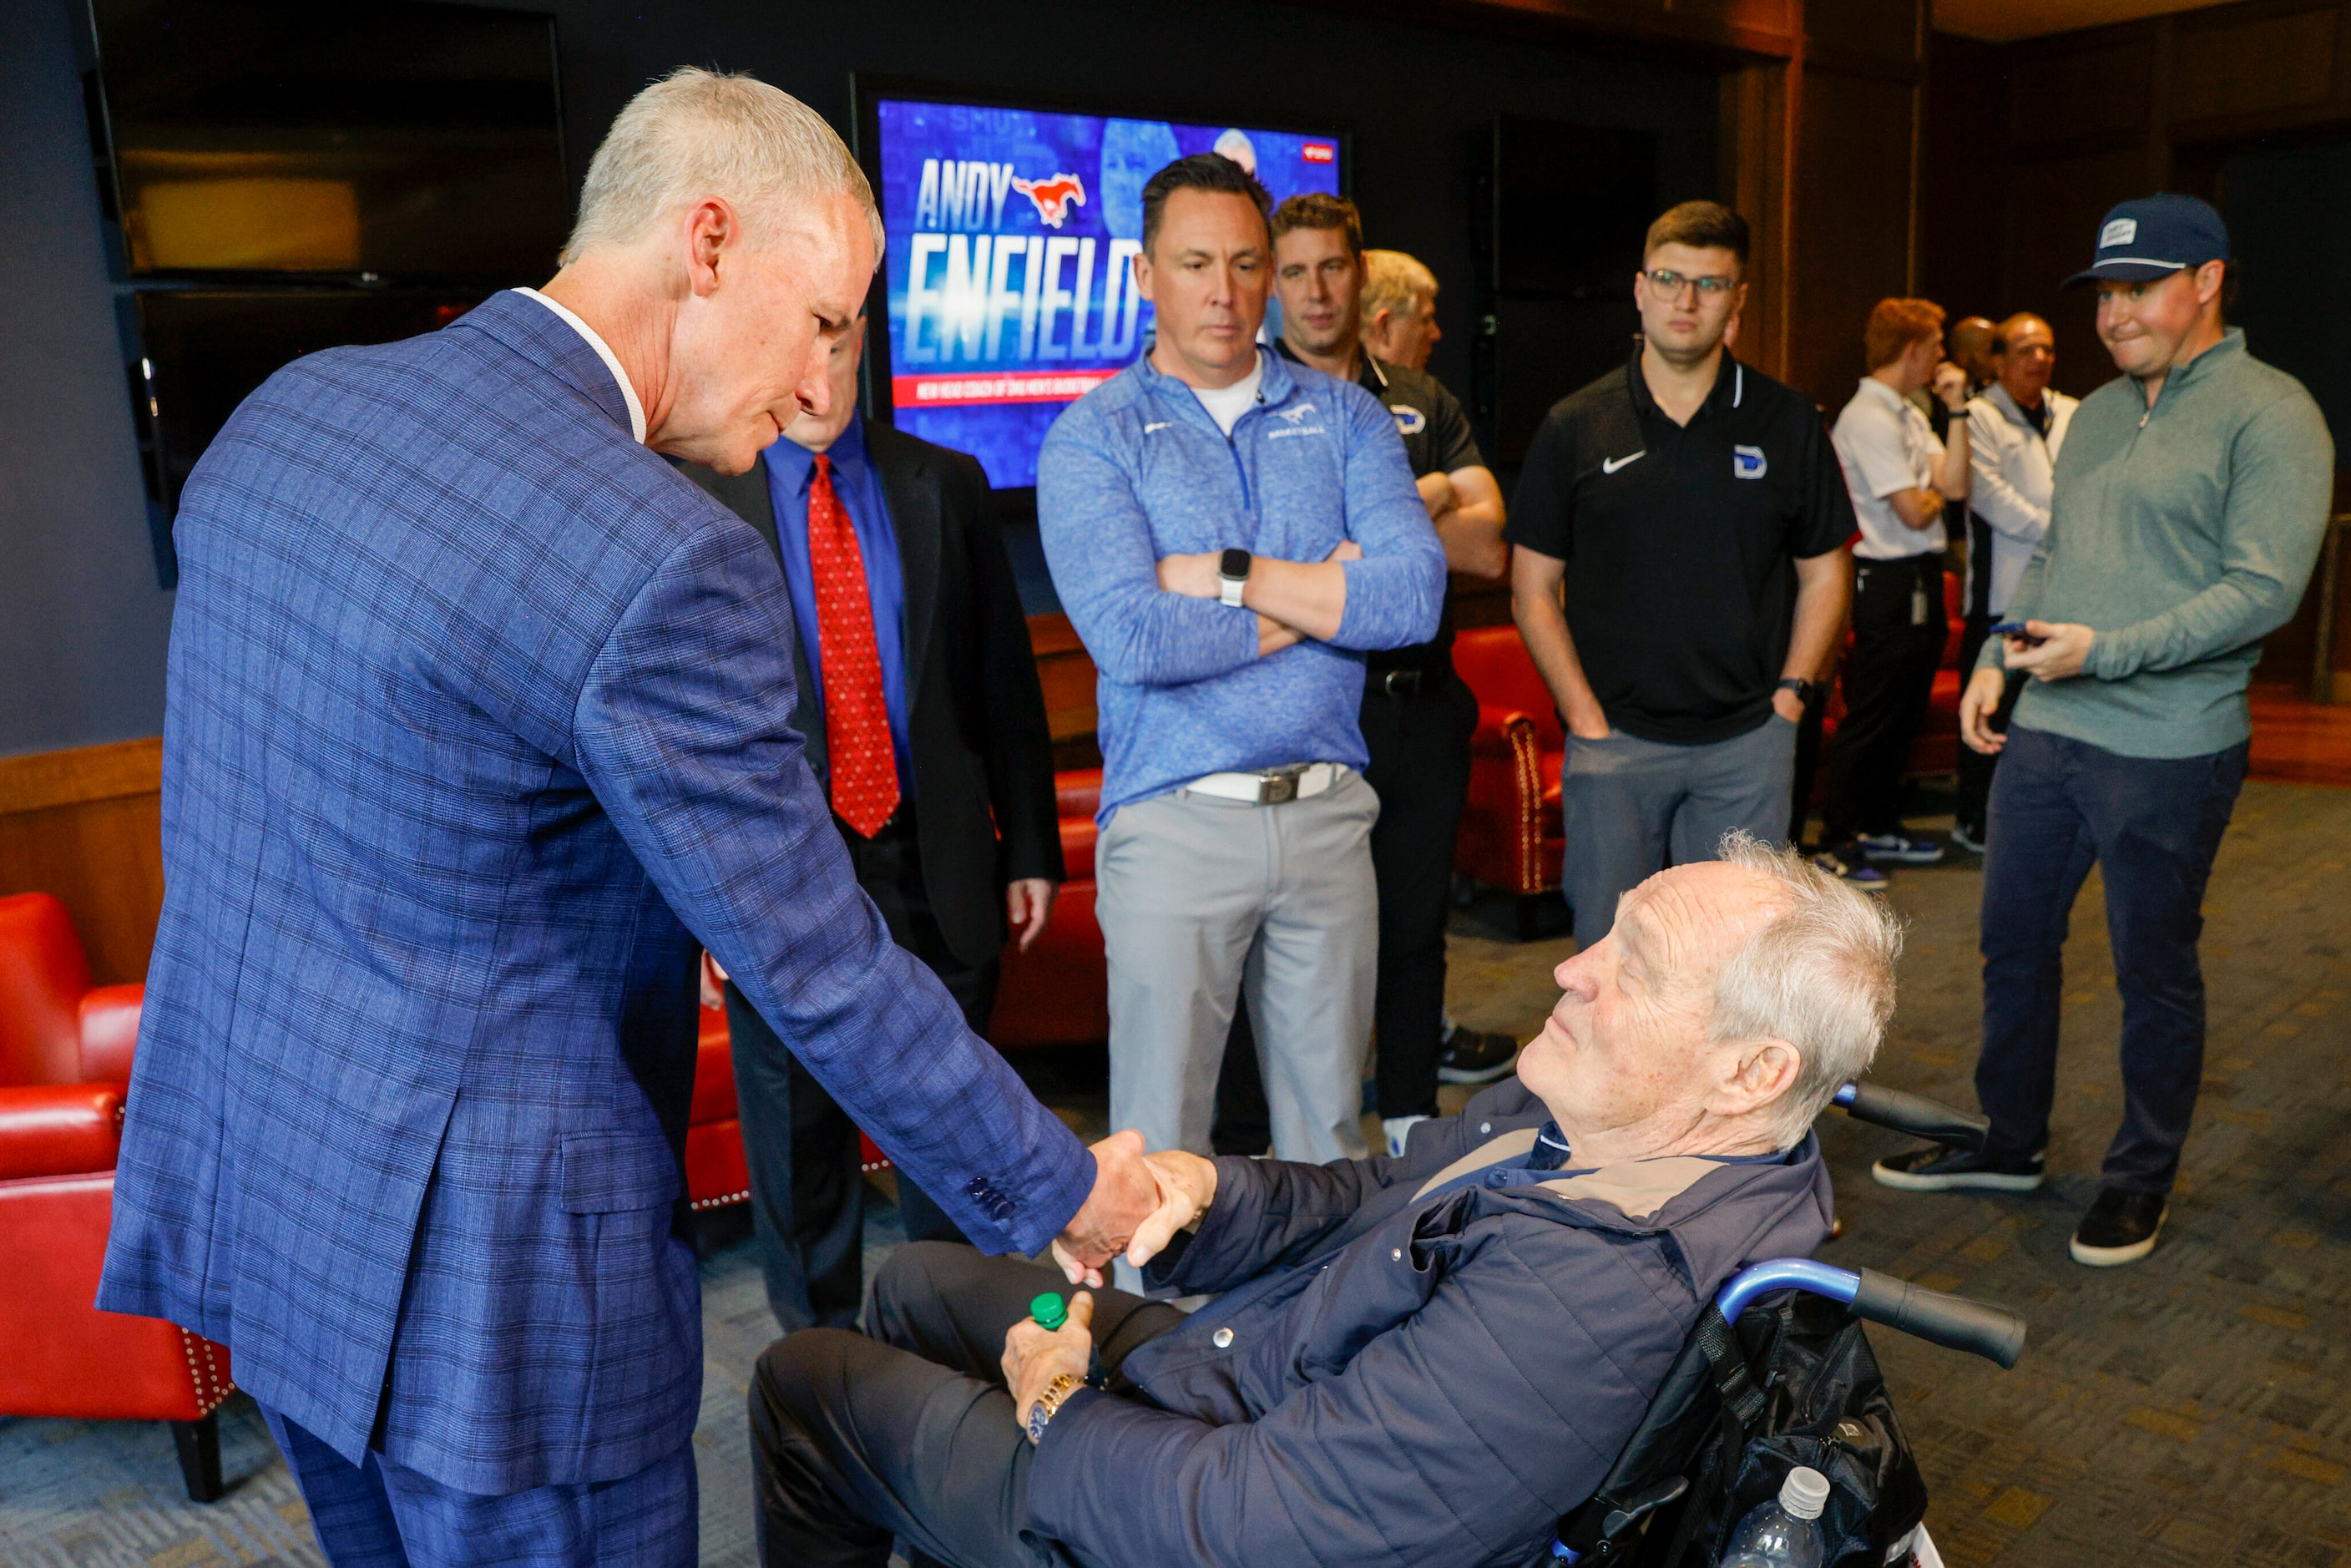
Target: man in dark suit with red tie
point(925, 721)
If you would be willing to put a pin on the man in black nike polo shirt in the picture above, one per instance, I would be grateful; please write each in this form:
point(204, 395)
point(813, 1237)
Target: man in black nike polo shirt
point(1680, 578)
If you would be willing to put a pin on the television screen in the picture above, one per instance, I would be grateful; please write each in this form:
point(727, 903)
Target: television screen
point(400, 138)
point(1007, 277)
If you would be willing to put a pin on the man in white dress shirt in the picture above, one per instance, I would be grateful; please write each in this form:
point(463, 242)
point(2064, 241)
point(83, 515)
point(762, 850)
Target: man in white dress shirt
point(1900, 478)
point(2017, 427)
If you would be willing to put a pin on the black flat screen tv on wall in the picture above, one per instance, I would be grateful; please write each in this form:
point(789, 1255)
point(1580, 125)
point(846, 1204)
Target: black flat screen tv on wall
point(276, 140)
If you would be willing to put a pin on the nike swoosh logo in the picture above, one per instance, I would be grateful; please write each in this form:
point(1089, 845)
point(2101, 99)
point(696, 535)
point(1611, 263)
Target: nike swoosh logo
point(1610, 465)
point(1158, 425)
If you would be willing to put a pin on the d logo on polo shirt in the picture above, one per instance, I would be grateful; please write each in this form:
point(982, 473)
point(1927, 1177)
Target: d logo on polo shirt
point(1409, 421)
point(1747, 463)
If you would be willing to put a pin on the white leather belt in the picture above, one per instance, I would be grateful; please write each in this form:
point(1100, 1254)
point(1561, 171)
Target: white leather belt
point(1272, 785)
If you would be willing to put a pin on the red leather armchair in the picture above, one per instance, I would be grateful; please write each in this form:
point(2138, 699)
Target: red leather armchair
point(1510, 836)
point(65, 1060)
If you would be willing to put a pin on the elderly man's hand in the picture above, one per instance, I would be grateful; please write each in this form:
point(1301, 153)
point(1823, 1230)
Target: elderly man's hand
point(2064, 648)
point(1035, 1356)
point(1125, 1193)
point(1188, 1186)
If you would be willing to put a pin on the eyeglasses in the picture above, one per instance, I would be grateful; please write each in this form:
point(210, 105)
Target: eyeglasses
point(1669, 283)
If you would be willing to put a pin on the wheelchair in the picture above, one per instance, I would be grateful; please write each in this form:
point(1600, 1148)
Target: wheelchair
point(1726, 1387)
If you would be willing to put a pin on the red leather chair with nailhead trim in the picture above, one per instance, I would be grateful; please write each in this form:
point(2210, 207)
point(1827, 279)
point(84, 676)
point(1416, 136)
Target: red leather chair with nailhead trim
point(64, 1062)
point(1510, 836)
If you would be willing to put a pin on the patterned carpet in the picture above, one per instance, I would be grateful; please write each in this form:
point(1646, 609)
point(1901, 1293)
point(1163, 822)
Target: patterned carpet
point(2195, 1410)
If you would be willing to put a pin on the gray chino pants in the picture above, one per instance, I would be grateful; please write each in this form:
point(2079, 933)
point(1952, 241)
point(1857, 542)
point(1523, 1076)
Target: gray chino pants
point(1204, 901)
point(1630, 807)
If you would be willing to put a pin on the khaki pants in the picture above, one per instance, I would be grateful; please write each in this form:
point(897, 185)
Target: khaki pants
point(1205, 903)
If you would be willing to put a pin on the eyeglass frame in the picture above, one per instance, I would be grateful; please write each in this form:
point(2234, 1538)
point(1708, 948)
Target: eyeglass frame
point(1669, 282)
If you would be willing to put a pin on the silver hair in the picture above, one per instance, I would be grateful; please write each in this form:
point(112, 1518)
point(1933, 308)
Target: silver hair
point(1819, 975)
point(1396, 282)
point(697, 133)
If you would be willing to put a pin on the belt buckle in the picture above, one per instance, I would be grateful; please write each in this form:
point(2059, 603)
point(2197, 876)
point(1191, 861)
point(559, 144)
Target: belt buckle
point(1274, 789)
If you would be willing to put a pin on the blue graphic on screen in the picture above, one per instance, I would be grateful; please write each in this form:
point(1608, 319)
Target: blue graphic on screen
point(1011, 234)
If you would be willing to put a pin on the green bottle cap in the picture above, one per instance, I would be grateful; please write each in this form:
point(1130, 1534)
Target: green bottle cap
point(1049, 1312)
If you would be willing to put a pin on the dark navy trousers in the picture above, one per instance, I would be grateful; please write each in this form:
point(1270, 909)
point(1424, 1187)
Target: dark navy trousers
point(2152, 825)
point(379, 1514)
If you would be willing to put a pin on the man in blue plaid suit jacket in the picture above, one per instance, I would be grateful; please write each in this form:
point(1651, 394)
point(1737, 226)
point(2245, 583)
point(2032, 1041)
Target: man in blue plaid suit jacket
point(478, 728)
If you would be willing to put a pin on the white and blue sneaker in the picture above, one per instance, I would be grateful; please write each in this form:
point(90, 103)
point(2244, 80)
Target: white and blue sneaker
point(1898, 849)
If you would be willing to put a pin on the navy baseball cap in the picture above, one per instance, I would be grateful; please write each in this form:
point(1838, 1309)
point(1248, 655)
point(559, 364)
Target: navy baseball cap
point(2154, 237)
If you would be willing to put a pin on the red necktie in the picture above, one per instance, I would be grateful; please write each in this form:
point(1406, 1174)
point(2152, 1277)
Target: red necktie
point(856, 716)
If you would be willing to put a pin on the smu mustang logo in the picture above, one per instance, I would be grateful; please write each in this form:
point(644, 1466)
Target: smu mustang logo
point(1052, 197)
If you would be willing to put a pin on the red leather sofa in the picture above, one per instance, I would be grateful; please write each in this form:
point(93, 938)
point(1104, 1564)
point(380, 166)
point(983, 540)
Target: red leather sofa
point(65, 1060)
point(1058, 992)
point(1510, 834)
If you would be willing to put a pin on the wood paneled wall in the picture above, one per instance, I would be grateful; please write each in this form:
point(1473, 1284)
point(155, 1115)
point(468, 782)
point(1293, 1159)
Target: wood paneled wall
point(85, 825)
point(2076, 121)
point(2031, 142)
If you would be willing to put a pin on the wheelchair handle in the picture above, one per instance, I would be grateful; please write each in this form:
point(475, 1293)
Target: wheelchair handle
point(1954, 1323)
point(1915, 1114)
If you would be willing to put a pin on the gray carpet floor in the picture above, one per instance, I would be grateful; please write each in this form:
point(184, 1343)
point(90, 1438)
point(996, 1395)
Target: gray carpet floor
point(2195, 1410)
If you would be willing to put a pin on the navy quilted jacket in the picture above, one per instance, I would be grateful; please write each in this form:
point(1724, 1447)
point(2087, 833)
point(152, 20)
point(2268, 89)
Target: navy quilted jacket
point(1394, 1380)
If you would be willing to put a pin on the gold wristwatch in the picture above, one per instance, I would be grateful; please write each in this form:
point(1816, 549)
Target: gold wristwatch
point(1049, 1404)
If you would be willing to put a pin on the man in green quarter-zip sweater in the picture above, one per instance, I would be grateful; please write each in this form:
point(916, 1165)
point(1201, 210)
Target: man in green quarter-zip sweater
point(2190, 500)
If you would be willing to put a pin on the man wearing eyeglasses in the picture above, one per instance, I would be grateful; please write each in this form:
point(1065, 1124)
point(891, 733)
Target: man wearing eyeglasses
point(1680, 578)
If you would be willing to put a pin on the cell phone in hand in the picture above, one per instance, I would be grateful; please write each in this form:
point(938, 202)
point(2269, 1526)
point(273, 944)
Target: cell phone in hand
point(2016, 629)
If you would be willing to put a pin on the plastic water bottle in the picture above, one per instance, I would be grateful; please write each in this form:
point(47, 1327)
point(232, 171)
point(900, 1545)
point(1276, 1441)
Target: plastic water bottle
point(1786, 1532)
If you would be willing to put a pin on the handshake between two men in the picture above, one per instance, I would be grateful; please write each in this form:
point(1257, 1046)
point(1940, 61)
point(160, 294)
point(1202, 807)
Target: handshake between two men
point(1421, 1358)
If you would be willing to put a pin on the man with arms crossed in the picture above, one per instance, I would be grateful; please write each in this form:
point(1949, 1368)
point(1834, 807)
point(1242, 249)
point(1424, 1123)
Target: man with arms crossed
point(1680, 578)
point(1422, 1360)
point(1418, 716)
point(479, 727)
point(2018, 428)
point(1229, 533)
point(2189, 504)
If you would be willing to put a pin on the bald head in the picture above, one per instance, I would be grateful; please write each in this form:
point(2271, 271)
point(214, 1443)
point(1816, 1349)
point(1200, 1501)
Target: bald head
point(1970, 345)
point(2023, 357)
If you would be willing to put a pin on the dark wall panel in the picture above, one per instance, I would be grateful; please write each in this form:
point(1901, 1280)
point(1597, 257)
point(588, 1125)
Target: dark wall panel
point(1963, 177)
point(82, 622)
point(1852, 223)
point(2052, 225)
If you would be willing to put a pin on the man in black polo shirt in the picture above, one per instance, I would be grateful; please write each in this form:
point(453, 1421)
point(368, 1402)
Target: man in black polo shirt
point(1418, 716)
point(1680, 578)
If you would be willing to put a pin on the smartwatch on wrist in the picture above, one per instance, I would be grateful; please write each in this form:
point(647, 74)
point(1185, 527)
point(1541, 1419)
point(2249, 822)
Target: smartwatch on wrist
point(1232, 572)
point(1049, 1404)
point(1805, 690)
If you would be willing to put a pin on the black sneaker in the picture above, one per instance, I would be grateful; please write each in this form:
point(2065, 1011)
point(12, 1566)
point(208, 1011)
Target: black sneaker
point(1933, 1167)
point(2120, 1227)
point(1476, 1056)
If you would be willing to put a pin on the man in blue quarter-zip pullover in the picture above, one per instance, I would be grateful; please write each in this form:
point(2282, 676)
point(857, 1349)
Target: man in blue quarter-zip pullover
point(1229, 533)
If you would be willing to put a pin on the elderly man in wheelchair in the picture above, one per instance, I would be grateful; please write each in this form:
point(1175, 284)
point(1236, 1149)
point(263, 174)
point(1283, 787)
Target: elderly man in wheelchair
point(1422, 1360)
